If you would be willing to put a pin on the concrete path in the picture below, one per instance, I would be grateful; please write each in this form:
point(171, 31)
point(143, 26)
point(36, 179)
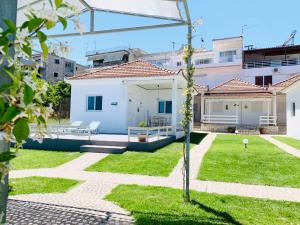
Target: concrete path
point(196, 156)
point(287, 148)
point(95, 186)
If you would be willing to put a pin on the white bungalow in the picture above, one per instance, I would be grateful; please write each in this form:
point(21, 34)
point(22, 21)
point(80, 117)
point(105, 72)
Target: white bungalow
point(236, 103)
point(124, 95)
point(291, 89)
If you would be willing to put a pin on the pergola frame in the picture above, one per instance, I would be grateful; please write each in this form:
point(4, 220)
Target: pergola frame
point(173, 22)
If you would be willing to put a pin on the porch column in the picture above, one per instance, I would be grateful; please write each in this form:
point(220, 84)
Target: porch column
point(209, 110)
point(174, 105)
point(275, 107)
point(202, 107)
point(125, 96)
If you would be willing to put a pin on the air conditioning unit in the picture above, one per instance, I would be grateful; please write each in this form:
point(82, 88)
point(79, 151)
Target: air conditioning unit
point(276, 70)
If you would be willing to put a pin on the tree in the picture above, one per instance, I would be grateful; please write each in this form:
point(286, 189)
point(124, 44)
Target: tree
point(56, 94)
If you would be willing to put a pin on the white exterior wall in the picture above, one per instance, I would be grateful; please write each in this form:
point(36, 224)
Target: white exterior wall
point(293, 123)
point(113, 118)
point(284, 72)
point(247, 111)
point(143, 104)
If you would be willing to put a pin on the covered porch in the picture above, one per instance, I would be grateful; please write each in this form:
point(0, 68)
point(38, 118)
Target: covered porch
point(238, 103)
point(240, 111)
point(155, 104)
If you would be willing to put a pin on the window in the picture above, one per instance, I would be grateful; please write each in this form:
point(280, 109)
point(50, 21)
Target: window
point(56, 61)
point(165, 107)
point(69, 67)
point(263, 81)
point(203, 61)
point(293, 110)
point(55, 74)
point(227, 56)
point(94, 103)
point(179, 63)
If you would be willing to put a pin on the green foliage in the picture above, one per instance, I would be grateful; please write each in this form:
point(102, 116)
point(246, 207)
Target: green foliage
point(159, 163)
point(57, 92)
point(289, 141)
point(164, 206)
point(142, 124)
point(35, 159)
point(261, 163)
point(33, 185)
point(21, 130)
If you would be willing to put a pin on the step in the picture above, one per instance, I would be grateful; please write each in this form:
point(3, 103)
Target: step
point(249, 132)
point(103, 149)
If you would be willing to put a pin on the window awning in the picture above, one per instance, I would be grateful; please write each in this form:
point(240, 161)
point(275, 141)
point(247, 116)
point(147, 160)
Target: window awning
point(162, 9)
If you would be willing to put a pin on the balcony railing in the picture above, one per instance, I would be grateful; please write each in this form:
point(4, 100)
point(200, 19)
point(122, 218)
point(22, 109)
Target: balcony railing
point(267, 120)
point(273, 63)
point(221, 119)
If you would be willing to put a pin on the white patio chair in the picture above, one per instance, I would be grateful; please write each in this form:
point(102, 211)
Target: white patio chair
point(93, 128)
point(76, 124)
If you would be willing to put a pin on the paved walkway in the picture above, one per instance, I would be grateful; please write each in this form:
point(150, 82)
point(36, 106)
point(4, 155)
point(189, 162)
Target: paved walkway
point(96, 185)
point(287, 148)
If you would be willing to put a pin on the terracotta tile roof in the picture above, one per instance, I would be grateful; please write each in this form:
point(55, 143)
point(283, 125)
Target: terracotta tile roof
point(132, 69)
point(200, 88)
point(237, 86)
point(286, 83)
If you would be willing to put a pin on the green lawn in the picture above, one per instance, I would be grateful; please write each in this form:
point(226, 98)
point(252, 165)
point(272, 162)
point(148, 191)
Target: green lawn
point(289, 141)
point(33, 159)
point(262, 163)
point(32, 185)
point(158, 205)
point(159, 163)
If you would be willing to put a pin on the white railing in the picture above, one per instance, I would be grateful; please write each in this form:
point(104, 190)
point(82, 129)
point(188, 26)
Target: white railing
point(271, 63)
point(57, 130)
point(221, 119)
point(149, 132)
point(267, 120)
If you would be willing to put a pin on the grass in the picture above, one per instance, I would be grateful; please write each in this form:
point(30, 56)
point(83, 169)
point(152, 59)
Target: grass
point(262, 163)
point(158, 163)
point(32, 185)
point(33, 159)
point(289, 141)
point(159, 205)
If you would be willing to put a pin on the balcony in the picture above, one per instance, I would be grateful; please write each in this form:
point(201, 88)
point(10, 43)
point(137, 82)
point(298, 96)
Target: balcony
point(271, 63)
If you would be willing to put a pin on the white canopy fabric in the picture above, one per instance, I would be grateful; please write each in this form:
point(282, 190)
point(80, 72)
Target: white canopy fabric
point(164, 9)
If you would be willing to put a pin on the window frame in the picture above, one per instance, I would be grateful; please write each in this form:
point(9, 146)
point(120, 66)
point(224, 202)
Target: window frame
point(165, 102)
point(56, 61)
point(94, 104)
point(264, 84)
point(293, 109)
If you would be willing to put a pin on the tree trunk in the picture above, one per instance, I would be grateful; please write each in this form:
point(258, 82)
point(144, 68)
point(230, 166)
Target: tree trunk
point(8, 10)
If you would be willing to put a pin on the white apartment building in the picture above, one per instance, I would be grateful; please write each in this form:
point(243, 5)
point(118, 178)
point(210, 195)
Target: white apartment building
point(213, 67)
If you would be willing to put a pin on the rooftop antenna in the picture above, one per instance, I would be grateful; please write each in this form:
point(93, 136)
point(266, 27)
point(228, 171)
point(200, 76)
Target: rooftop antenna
point(202, 43)
point(291, 40)
point(173, 45)
point(246, 27)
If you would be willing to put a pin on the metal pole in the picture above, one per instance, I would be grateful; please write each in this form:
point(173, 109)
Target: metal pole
point(8, 10)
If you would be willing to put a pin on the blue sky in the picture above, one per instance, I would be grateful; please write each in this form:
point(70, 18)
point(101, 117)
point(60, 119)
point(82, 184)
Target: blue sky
point(270, 23)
